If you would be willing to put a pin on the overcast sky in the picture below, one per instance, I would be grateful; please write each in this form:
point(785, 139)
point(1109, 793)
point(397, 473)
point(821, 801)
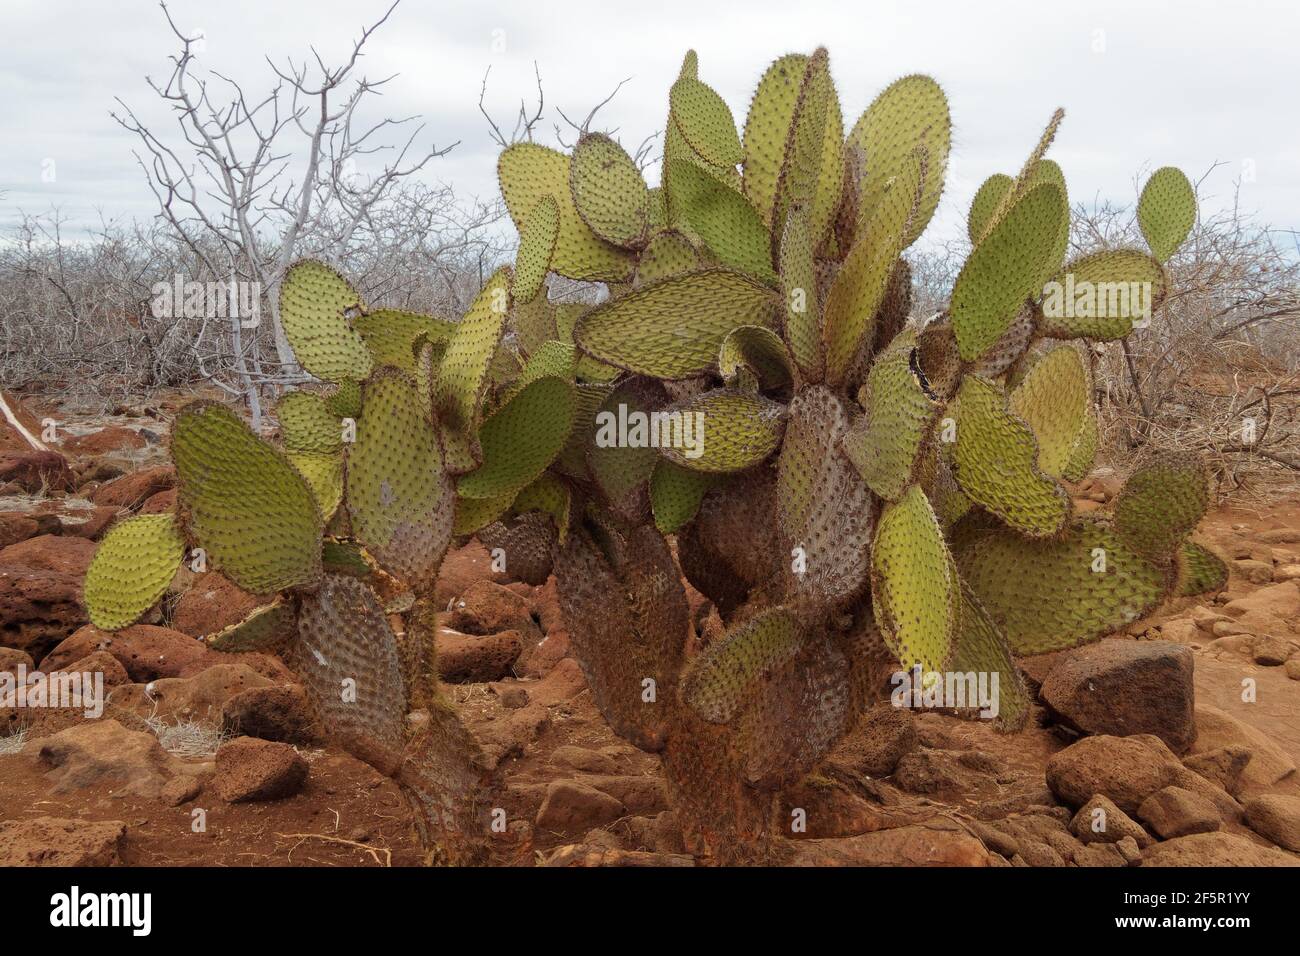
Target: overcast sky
point(1144, 83)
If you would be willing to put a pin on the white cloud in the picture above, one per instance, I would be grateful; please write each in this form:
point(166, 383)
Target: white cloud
point(1143, 84)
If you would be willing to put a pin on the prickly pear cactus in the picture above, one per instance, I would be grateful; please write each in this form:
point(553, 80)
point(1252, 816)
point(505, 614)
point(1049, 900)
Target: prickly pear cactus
point(751, 407)
point(849, 485)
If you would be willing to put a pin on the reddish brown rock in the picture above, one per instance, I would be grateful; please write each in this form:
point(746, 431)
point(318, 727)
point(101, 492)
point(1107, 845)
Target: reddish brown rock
point(201, 697)
point(1175, 812)
point(572, 807)
point(471, 659)
point(90, 524)
point(460, 569)
point(1222, 766)
point(164, 502)
point(1125, 687)
point(38, 609)
point(1276, 817)
point(1125, 769)
point(272, 713)
point(488, 608)
point(251, 769)
point(52, 841)
point(112, 438)
point(936, 842)
point(213, 602)
point(102, 662)
point(131, 491)
point(34, 471)
point(1214, 849)
point(1100, 821)
point(49, 552)
point(1217, 729)
point(151, 653)
point(18, 526)
point(102, 754)
point(11, 659)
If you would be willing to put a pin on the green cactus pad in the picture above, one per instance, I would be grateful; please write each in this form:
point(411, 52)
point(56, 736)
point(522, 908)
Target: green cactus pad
point(915, 596)
point(767, 129)
point(307, 425)
point(1054, 400)
point(1084, 453)
point(859, 287)
point(629, 624)
point(1161, 503)
point(553, 359)
point(131, 569)
point(609, 192)
point(980, 648)
point(551, 496)
point(522, 438)
point(1005, 269)
point(761, 351)
point(911, 111)
point(732, 671)
point(391, 335)
point(705, 122)
point(826, 510)
point(801, 165)
point(251, 511)
point(1199, 570)
point(988, 200)
point(266, 628)
point(722, 218)
point(1048, 171)
point(314, 302)
point(473, 514)
point(727, 430)
point(537, 237)
point(995, 460)
point(345, 399)
point(1166, 211)
point(884, 445)
point(667, 254)
point(798, 267)
point(675, 494)
point(1045, 594)
point(324, 473)
point(348, 660)
point(534, 323)
point(400, 498)
point(463, 372)
point(830, 177)
point(673, 328)
point(528, 172)
point(1112, 291)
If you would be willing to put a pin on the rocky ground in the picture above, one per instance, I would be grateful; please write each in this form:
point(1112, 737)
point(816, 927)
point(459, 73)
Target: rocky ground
point(1181, 734)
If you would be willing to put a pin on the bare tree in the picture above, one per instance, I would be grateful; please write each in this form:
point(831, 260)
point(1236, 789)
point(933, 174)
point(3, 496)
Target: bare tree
point(250, 182)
